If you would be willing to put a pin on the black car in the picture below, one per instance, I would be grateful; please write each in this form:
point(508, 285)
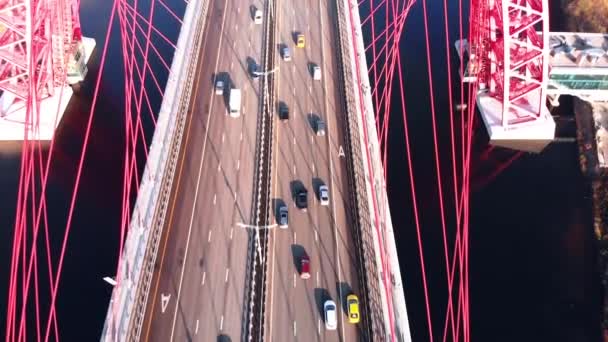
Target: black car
point(283, 111)
point(302, 199)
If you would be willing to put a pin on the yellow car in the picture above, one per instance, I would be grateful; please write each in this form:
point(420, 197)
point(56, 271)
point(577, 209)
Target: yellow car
point(300, 41)
point(352, 303)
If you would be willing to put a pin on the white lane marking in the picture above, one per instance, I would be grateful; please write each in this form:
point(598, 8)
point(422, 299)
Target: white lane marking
point(294, 238)
point(310, 89)
point(294, 280)
point(235, 197)
point(294, 140)
point(198, 182)
point(317, 278)
point(196, 328)
point(214, 198)
point(293, 69)
point(204, 276)
point(294, 91)
point(319, 327)
point(209, 236)
point(312, 141)
point(227, 272)
point(241, 138)
point(294, 169)
point(294, 328)
point(313, 167)
point(238, 164)
point(221, 322)
point(234, 47)
point(316, 235)
point(219, 167)
point(236, 27)
point(223, 137)
point(231, 65)
point(249, 43)
point(331, 173)
point(164, 301)
point(231, 231)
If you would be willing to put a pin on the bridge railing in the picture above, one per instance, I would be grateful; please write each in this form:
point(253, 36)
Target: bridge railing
point(353, 56)
point(137, 263)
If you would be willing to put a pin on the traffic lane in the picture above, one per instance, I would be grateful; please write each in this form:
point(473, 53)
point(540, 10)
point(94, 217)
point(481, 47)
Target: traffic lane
point(173, 236)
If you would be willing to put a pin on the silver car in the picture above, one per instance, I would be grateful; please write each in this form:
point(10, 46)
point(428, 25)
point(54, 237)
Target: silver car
point(324, 195)
point(219, 87)
point(286, 53)
point(283, 217)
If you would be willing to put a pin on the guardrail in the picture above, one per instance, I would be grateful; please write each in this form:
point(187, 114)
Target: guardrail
point(361, 123)
point(265, 127)
point(136, 265)
point(371, 297)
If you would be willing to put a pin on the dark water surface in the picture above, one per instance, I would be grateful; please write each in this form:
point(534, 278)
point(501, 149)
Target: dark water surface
point(532, 271)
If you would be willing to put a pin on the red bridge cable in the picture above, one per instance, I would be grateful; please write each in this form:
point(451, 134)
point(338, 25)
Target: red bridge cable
point(147, 22)
point(79, 172)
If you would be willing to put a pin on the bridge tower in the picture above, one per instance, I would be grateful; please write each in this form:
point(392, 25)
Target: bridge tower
point(509, 59)
point(41, 51)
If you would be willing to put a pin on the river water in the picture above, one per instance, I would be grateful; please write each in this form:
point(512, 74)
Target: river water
point(532, 269)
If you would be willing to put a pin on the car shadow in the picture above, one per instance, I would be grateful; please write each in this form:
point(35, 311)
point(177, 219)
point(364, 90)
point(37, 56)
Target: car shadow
point(321, 295)
point(295, 186)
point(312, 121)
point(343, 290)
point(316, 183)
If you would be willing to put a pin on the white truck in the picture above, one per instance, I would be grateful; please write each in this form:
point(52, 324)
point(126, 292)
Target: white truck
point(234, 102)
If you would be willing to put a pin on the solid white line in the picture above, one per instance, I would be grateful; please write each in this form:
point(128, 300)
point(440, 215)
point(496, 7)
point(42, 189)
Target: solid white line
point(198, 182)
point(227, 272)
point(221, 322)
point(209, 236)
point(204, 276)
point(196, 328)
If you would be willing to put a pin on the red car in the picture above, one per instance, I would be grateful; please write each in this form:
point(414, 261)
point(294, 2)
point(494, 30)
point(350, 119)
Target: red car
point(305, 267)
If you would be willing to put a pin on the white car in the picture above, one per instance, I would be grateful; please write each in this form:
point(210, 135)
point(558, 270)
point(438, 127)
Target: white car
point(324, 195)
point(331, 316)
point(257, 16)
point(316, 72)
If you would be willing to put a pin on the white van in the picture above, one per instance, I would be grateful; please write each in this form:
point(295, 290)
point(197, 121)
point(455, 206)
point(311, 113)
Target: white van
point(257, 16)
point(316, 72)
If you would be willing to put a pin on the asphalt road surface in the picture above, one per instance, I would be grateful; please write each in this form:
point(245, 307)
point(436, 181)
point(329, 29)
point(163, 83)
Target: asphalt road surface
point(303, 158)
point(197, 293)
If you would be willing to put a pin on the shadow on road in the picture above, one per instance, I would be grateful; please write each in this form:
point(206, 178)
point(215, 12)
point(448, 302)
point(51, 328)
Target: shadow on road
point(297, 252)
point(321, 295)
point(343, 290)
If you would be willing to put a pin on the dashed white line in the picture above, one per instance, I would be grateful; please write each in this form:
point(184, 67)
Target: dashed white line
point(204, 276)
point(312, 139)
point(249, 43)
point(219, 167)
point(294, 169)
point(214, 198)
point(294, 238)
point(313, 167)
point(231, 231)
point(236, 27)
point(196, 328)
point(231, 65)
point(221, 322)
point(294, 328)
point(319, 326)
point(316, 235)
point(317, 278)
point(294, 91)
point(227, 272)
point(235, 196)
point(209, 236)
point(223, 137)
point(238, 164)
point(241, 138)
point(294, 140)
point(294, 280)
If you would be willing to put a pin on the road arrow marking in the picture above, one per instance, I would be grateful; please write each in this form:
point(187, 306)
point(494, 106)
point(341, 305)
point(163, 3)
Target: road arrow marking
point(341, 152)
point(164, 301)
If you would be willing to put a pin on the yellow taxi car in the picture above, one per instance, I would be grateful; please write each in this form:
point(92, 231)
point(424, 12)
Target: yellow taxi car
point(300, 42)
point(352, 304)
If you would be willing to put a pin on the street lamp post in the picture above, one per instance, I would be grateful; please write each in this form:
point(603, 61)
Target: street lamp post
point(265, 73)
